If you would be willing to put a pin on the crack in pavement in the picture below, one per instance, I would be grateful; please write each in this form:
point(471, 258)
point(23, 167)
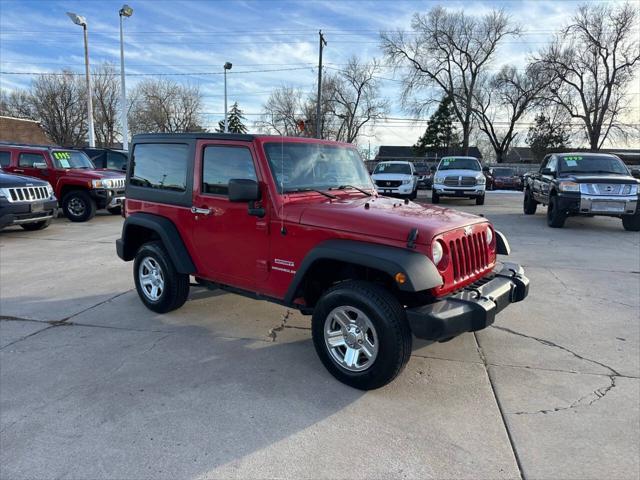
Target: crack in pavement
point(595, 395)
point(273, 331)
point(581, 295)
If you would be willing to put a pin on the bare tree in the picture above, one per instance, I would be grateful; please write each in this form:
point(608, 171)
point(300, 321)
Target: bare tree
point(59, 104)
point(106, 98)
point(448, 50)
point(281, 112)
point(355, 99)
point(593, 60)
point(502, 100)
point(165, 106)
point(17, 103)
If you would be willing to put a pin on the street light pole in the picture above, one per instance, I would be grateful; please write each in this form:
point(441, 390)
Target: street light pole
point(79, 20)
point(125, 11)
point(227, 66)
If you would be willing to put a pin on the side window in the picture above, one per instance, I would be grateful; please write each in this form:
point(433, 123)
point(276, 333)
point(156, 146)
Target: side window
point(221, 164)
point(553, 164)
point(5, 159)
point(116, 161)
point(32, 160)
point(160, 166)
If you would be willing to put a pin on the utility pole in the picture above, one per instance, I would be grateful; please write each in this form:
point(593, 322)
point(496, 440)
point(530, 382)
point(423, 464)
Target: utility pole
point(323, 43)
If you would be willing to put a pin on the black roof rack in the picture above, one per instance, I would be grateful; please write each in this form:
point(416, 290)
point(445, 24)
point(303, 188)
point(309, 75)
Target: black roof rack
point(27, 145)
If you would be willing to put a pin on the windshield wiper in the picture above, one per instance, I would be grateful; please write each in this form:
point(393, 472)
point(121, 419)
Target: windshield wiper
point(343, 187)
point(296, 190)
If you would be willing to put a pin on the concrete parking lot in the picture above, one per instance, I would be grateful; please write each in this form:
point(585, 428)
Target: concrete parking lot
point(93, 385)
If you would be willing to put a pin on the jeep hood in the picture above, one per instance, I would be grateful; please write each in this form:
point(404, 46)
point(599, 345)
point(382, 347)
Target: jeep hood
point(385, 217)
point(10, 180)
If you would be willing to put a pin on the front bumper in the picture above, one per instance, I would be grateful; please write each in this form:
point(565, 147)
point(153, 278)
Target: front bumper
point(613, 205)
point(401, 190)
point(471, 309)
point(107, 197)
point(447, 191)
point(19, 213)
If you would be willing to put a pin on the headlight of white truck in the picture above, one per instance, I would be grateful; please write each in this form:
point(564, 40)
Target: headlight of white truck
point(438, 179)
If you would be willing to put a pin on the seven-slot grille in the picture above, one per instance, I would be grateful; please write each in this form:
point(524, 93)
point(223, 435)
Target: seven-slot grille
point(460, 181)
point(469, 255)
point(27, 194)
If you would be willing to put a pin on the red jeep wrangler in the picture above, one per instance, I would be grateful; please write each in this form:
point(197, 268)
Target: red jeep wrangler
point(297, 221)
point(80, 187)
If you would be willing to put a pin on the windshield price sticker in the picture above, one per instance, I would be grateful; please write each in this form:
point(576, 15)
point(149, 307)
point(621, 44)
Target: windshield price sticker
point(62, 155)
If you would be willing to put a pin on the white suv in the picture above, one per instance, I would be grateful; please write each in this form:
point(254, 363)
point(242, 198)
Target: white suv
point(396, 178)
point(459, 177)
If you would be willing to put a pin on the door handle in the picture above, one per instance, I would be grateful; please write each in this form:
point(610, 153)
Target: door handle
point(200, 211)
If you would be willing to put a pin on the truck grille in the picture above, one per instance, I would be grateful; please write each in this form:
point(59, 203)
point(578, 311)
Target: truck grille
point(118, 183)
point(606, 188)
point(469, 255)
point(389, 183)
point(27, 194)
point(460, 181)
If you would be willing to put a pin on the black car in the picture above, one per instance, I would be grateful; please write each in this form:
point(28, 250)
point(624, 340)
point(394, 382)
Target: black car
point(424, 174)
point(26, 201)
point(584, 184)
point(108, 158)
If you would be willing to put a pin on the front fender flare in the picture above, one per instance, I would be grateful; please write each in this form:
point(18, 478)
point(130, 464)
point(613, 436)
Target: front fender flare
point(420, 272)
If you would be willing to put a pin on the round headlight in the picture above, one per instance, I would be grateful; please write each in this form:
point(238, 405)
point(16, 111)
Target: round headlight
point(489, 236)
point(436, 252)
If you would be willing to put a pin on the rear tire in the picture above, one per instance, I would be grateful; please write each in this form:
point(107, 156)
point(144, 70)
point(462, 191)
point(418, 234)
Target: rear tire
point(361, 334)
point(78, 206)
point(36, 225)
point(555, 217)
point(160, 286)
point(529, 204)
point(435, 198)
point(631, 223)
point(480, 200)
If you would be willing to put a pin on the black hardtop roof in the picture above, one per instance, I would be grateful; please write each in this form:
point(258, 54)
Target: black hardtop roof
point(193, 136)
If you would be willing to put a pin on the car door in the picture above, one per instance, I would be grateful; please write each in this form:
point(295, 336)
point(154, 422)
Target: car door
point(230, 245)
point(547, 179)
point(33, 164)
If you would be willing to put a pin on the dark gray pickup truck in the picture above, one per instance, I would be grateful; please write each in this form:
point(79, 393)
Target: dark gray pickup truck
point(587, 184)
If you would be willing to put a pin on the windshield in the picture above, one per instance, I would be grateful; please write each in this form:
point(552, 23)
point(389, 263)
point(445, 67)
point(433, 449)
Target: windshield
point(592, 164)
point(459, 164)
point(503, 172)
point(402, 168)
point(71, 159)
point(312, 166)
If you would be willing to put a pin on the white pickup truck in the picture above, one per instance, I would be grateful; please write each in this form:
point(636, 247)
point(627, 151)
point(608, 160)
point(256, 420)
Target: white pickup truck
point(396, 178)
point(459, 177)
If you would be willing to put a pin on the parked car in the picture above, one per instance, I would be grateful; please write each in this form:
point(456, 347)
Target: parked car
point(109, 158)
point(24, 201)
point(259, 216)
point(79, 186)
point(459, 177)
point(503, 178)
point(584, 184)
point(423, 172)
point(396, 178)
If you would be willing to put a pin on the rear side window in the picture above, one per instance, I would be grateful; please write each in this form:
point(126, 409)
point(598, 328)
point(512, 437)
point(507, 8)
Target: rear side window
point(5, 159)
point(116, 161)
point(161, 166)
point(32, 160)
point(221, 164)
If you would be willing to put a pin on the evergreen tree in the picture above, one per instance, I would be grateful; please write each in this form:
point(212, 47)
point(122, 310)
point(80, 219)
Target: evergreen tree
point(546, 135)
point(440, 131)
point(235, 118)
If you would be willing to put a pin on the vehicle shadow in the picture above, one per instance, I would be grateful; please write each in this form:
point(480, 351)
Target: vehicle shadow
point(118, 402)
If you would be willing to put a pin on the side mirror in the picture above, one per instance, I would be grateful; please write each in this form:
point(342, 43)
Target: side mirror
point(546, 171)
point(243, 190)
point(635, 172)
point(486, 169)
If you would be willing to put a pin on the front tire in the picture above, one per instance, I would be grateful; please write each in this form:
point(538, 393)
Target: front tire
point(529, 204)
point(78, 206)
point(631, 223)
point(413, 195)
point(555, 217)
point(36, 225)
point(160, 286)
point(361, 334)
point(480, 200)
point(435, 198)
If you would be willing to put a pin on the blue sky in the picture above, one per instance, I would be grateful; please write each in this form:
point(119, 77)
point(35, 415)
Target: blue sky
point(194, 38)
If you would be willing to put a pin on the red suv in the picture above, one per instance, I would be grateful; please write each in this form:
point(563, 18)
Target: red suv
point(79, 186)
point(297, 221)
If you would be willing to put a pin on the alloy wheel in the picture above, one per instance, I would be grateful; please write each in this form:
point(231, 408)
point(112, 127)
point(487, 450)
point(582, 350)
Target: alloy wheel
point(351, 338)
